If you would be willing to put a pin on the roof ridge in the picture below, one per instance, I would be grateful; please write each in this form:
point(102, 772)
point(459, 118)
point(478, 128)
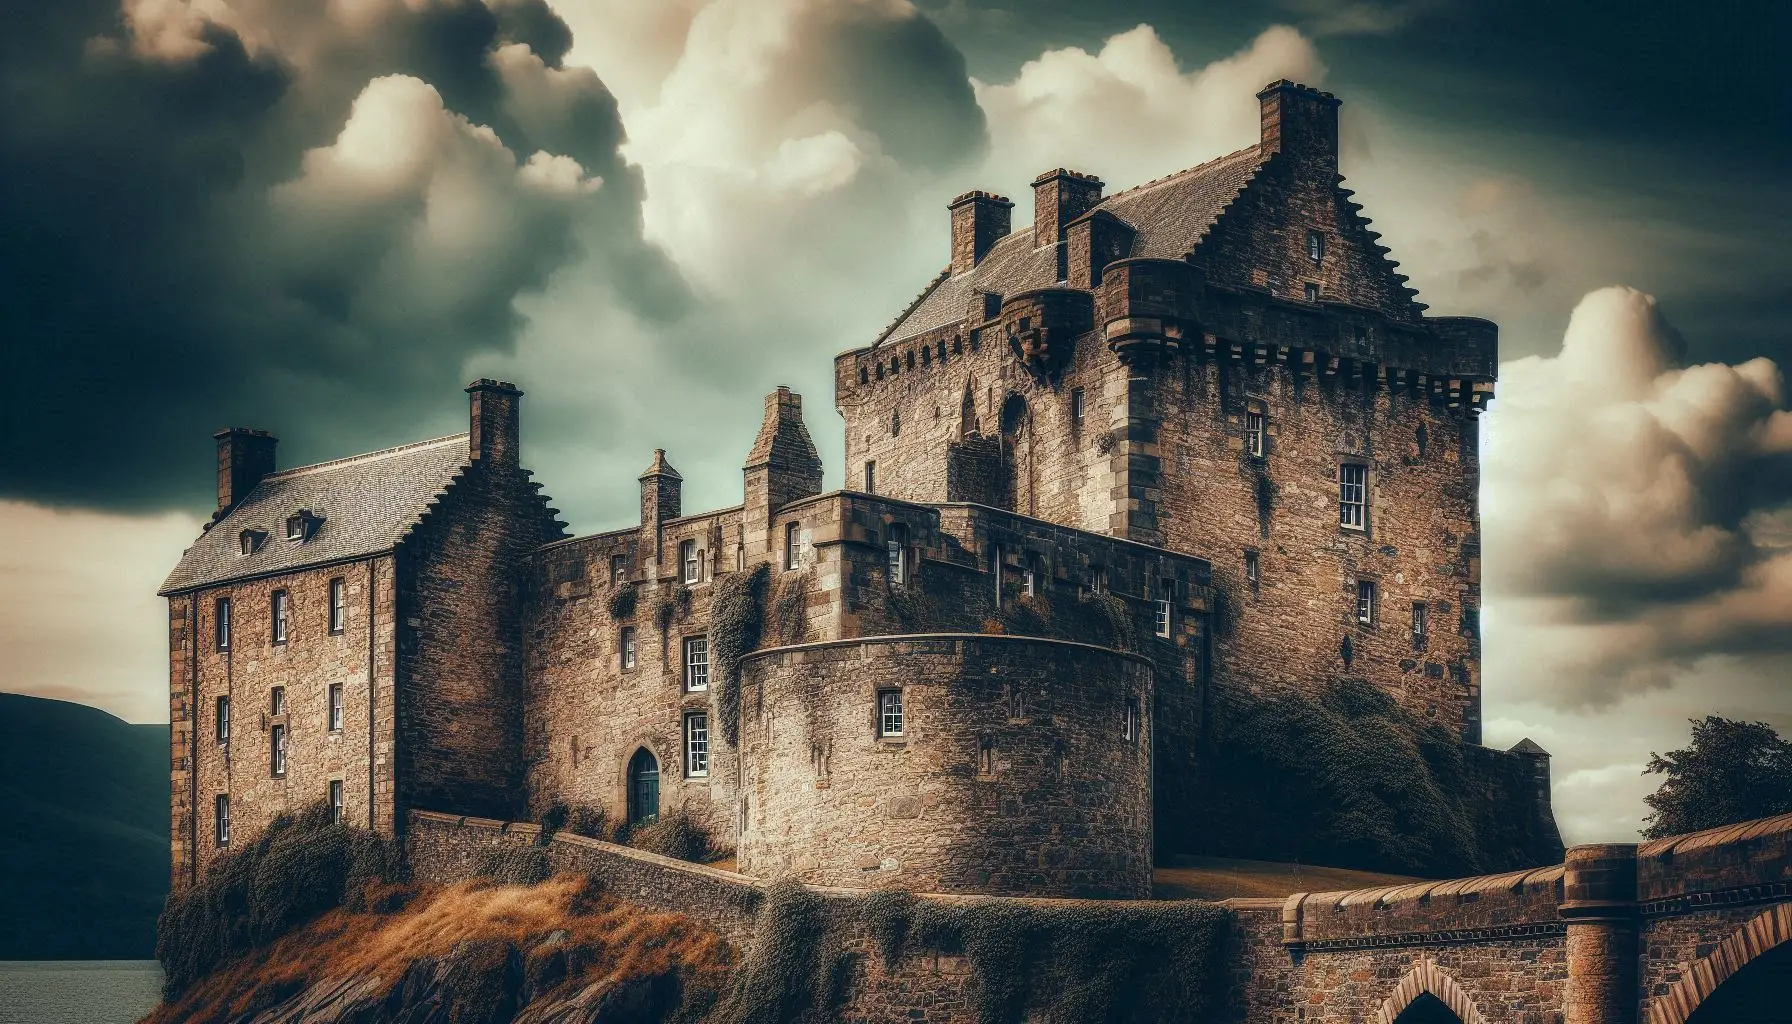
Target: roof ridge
point(1254, 149)
point(374, 456)
point(938, 279)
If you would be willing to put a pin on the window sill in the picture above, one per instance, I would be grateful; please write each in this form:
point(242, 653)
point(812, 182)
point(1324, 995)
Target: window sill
point(698, 775)
point(892, 741)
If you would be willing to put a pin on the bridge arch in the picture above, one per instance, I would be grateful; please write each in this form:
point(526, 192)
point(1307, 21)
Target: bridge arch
point(1764, 933)
point(1428, 979)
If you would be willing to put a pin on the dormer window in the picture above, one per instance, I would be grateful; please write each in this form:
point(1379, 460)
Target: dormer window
point(298, 525)
point(248, 541)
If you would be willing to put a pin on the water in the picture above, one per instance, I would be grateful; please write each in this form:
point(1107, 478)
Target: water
point(77, 991)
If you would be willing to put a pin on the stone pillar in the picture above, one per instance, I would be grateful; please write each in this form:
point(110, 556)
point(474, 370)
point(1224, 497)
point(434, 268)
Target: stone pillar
point(1599, 904)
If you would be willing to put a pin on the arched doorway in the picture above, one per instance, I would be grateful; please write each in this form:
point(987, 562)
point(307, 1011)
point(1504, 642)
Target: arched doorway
point(1744, 980)
point(1017, 456)
point(1427, 1009)
point(1427, 995)
point(643, 788)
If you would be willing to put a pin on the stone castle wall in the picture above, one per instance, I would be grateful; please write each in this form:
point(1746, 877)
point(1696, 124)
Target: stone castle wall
point(1015, 771)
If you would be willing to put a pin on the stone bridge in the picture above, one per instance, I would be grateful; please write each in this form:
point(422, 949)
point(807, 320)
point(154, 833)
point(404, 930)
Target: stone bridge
point(1692, 929)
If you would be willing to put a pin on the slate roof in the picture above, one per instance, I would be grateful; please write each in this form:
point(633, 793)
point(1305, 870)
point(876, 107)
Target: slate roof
point(365, 504)
point(1170, 215)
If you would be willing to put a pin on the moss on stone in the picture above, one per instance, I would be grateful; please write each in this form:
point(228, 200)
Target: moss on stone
point(736, 623)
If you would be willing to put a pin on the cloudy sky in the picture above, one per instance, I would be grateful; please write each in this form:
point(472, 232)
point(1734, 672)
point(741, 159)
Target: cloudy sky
point(323, 216)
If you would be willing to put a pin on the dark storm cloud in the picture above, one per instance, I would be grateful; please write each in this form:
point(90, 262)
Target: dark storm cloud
point(292, 221)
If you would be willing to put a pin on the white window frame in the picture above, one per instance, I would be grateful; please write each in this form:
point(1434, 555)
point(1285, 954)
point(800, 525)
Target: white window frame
point(625, 646)
point(1311, 291)
point(1129, 729)
point(1161, 617)
point(1253, 571)
point(793, 547)
point(221, 610)
point(696, 744)
point(896, 553)
point(336, 801)
point(277, 700)
point(696, 663)
point(221, 720)
point(618, 570)
point(1366, 600)
point(1077, 406)
point(336, 699)
point(221, 819)
point(1316, 246)
point(690, 562)
point(1256, 425)
point(277, 751)
point(338, 605)
point(1353, 495)
point(295, 527)
point(890, 723)
point(282, 613)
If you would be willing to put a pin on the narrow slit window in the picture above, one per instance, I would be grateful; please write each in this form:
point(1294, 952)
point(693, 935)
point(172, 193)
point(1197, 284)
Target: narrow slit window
point(1315, 246)
point(896, 545)
point(277, 751)
point(223, 623)
point(1420, 625)
point(221, 819)
point(870, 477)
point(1076, 407)
point(223, 720)
point(1365, 602)
point(335, 707)
point(793, 552)
point(335, 801)
point(1254, 426)
point(626, 645)
point(277, 701)
point(889, 712)
point(338, 605)
point(1353, 496)
point(1253, 571)
point(1130, 728)
point(696, 744)
point(1161, 617)
point(281, 615)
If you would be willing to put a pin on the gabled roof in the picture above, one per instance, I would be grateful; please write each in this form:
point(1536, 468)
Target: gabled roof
point(1170, 217)
point(364, 505)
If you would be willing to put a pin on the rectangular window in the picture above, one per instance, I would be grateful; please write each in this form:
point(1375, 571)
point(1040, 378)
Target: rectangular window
point(1130, 729)
point(889, 712)
point(696, 663)
point(1161, 618)
point(1312, 291)
point(277, 751)
point(1353, 496)
point(1076, 407)
point(280, 610)
point(338, 605)
point(335, 707)
point(627, 645)
point(1365, 602)
point(221, 819)
point(618, 570)
point(696, 744)
point(1029, 577)
point(1253, 432)
point(687, 557)
point(277, 701)
point(793, 554)
point(223, 623)
point(896, 553)
point(223, 720)
point(1315, 246)
point(335, 801)
point(870, 477)
point(1253, 571)
point(1419, 625)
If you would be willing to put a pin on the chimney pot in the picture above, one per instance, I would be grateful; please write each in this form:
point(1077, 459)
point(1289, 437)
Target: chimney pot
point(494, 421)
point(979, 220)
point(244, 457)
point(1302, 122)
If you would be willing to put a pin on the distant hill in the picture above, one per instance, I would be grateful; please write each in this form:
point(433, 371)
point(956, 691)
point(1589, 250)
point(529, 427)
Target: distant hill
point(84, 843)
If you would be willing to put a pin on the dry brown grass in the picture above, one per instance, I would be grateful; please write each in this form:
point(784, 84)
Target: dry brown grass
point(626, 942)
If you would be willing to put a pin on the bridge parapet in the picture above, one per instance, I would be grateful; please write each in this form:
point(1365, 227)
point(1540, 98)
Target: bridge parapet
point(1454, 910)
point(1742, 863)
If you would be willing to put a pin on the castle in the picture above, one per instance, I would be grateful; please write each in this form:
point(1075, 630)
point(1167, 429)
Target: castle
point(1191, 438)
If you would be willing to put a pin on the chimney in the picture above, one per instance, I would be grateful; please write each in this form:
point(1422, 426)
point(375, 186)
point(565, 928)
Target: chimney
point(244, 457)
point(782, 465)
point(660, 487)
point(978, 220)
point(1302, 122)
point(1059, 197)
point(494, 421)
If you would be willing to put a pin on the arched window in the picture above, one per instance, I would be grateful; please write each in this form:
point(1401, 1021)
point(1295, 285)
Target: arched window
point(643, 788)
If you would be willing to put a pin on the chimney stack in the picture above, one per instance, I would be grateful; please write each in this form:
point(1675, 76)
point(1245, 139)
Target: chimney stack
point(978, 220)
point(782, 465)
point(1302, 122)
point(1059, 197)
point(244, 457)
point(660, 491)
point(494, 414)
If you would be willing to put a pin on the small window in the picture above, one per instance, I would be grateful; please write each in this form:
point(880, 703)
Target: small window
point(221, 819)
point(247, 541)
point(870, 477)
point(1076, 407)
point(1253, 571)
point(696, 744)
point(628, 648)
point(335, 707)
point(687, 557)
point(1315, 246)
point(793, 552)
point(1420, 625)
point(277, 751)
point(986, 754)
point(338, 605)
point(296, 525)
point(889, 712)
point(281, 603)
point(696, 663)
point(1312, 291)
point(1031, 575)
point(1365, 602)
point(222, 722)
point(277, 701)
point(1161, 617)
point(896, 552)
point(895, 422)
point(1255, 422)
point(1130, 728)
point(335, 801)
point(222, 622)
point(618, 570)
point(1469, 624)
point(1353, 496)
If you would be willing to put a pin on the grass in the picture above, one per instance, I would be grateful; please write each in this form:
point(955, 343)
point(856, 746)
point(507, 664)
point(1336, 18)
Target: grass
point(1219, 878)
point(611, 942)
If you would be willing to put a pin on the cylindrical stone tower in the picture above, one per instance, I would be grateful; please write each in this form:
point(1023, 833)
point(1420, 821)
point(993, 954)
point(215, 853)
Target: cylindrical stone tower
point(1599, 904)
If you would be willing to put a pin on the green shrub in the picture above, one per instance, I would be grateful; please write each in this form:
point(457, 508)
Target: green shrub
point(622, 602)
point(736, 624)
point(590, 822)
point(676, 835)
point(790, 611)
point(298, 869)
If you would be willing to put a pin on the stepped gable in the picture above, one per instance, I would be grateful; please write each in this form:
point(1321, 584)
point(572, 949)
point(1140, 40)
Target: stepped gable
point(363, 504)
point(1171, 216)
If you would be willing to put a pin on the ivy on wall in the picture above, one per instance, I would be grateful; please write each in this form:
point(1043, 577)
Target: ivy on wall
point(736, 623)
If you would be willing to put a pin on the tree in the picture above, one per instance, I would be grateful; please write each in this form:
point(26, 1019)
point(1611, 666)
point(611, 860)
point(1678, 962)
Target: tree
point(1733, 771)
